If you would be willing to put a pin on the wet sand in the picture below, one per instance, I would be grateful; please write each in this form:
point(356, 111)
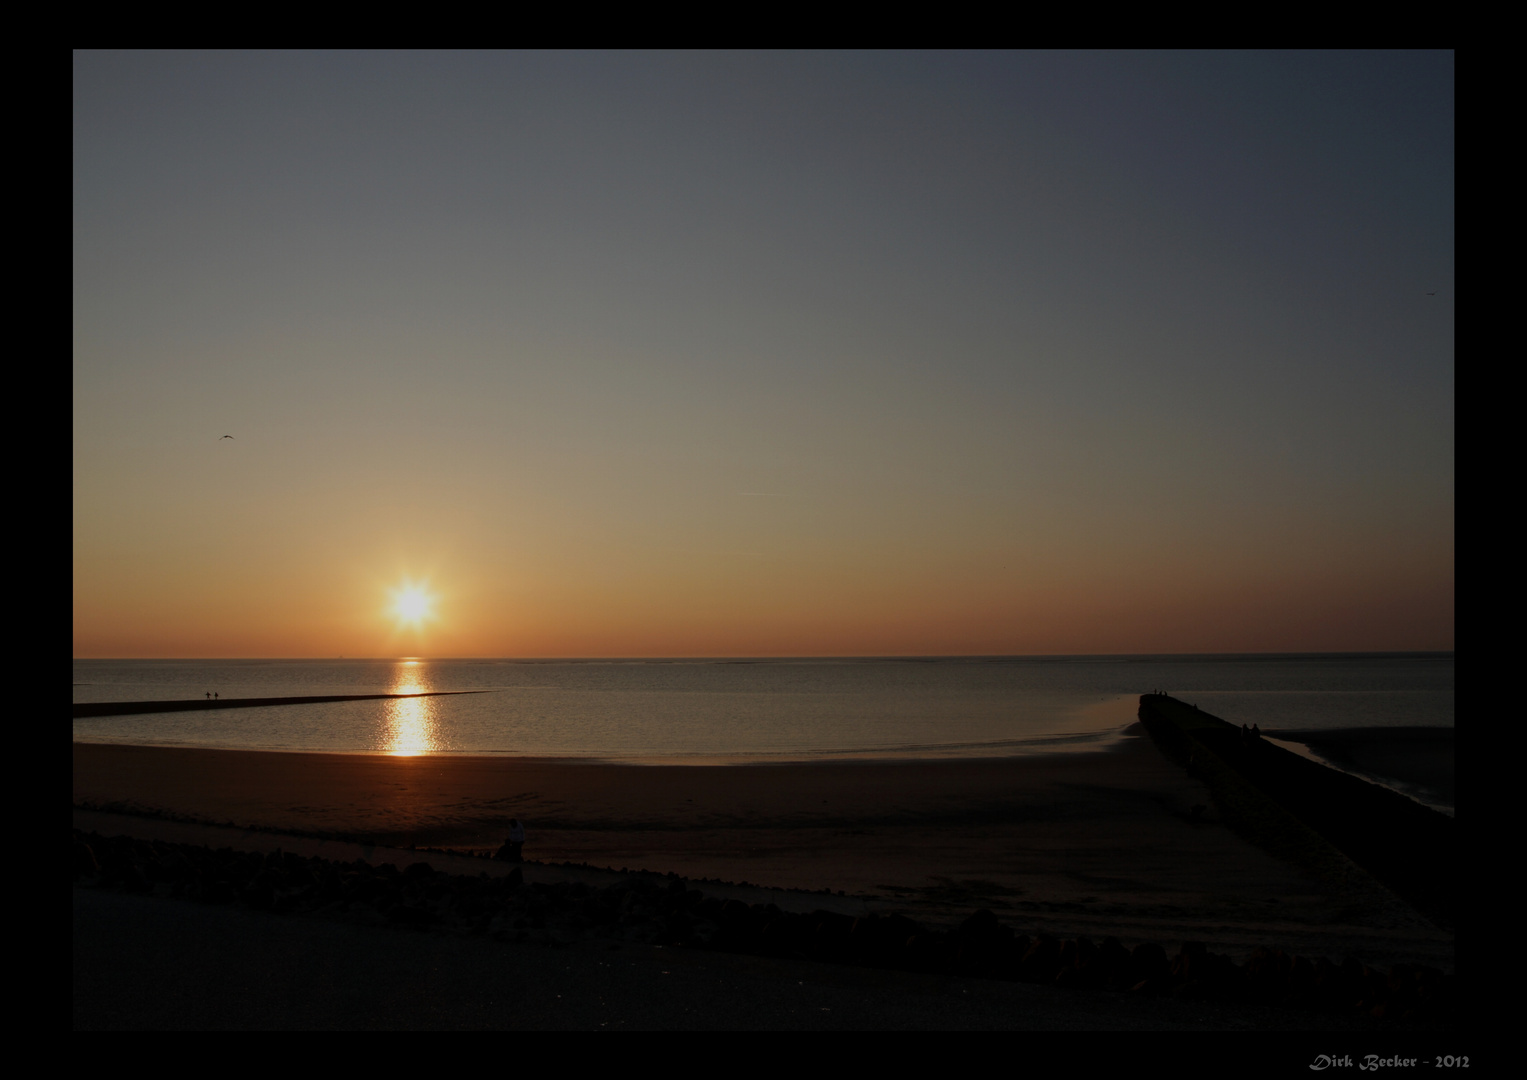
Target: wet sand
point(1092, 843)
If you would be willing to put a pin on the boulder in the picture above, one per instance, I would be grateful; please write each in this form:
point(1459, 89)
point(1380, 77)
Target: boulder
point(982, 925)
point(1042, 961)
point(1149, 961)
point(84, 860)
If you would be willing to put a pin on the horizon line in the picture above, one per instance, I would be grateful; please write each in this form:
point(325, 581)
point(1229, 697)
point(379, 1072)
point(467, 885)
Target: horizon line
point(809, 656)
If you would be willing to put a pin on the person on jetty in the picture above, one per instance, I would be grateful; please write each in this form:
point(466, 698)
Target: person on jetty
point(511, 851)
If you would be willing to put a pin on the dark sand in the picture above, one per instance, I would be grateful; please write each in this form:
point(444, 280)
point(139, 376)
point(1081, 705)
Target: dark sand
point(1097, 843)
point(141, 963)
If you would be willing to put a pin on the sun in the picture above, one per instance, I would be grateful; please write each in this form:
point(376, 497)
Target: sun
point(412, 603)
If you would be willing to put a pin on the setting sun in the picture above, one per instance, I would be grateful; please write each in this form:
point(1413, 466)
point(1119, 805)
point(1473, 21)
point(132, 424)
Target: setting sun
point(413, 604)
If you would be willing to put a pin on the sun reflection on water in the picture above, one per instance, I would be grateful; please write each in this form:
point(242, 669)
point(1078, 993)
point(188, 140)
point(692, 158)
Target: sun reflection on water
point(410, 729)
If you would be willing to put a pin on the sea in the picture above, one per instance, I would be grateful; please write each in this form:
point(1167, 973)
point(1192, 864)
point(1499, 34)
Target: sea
point(742, 710)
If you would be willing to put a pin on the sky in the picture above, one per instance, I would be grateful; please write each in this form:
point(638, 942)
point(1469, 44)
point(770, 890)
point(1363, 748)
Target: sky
point(762, 354)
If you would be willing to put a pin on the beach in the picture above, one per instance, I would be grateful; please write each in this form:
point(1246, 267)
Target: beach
point(973, 533)
point(142, 963)
point(1100, 843)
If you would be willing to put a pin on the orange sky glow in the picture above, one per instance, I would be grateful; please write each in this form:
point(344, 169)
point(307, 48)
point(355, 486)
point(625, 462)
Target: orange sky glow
point(757, 355)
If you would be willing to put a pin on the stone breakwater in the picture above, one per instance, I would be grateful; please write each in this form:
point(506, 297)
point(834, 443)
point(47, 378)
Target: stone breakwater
point(1301, 810)
point(84, 709)
point(648, 909)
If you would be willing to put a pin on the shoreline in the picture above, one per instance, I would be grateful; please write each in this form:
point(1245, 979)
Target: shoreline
point(1416, 762)
point(1098, 742)
point(1323, 818)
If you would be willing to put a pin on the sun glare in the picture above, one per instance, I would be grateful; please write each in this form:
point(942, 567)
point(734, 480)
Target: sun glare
point(412, 604)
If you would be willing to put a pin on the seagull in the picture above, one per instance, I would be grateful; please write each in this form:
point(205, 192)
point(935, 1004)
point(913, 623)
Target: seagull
point(225, 437)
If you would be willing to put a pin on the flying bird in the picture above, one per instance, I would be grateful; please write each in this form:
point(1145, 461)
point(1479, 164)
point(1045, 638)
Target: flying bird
point(225, 437)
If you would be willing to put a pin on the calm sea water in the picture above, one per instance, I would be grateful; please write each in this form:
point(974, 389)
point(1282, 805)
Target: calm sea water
point(643, 710)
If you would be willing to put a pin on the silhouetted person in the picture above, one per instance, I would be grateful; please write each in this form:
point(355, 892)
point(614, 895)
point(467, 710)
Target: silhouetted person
point(510, 852)
point(209, 695)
